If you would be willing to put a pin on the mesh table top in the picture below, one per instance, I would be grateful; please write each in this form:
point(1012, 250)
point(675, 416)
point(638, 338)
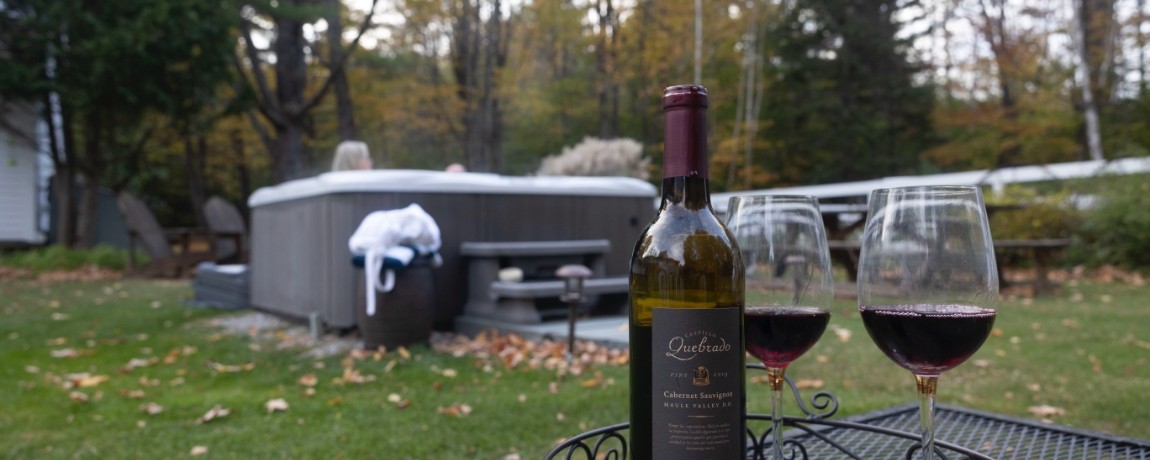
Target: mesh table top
point(992, 435)
point(892, 433)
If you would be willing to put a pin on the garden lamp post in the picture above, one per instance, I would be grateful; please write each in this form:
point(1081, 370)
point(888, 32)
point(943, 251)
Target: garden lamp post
point(572, 276)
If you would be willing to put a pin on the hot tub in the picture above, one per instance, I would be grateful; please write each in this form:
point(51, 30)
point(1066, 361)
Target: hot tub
point(300, 264)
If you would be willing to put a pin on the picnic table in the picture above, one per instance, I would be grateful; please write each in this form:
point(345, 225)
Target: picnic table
point(842, 220)
point(891, 433)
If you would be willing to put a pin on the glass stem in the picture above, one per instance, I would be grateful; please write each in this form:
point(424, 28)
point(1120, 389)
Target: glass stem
point(927, 387)
point(775, 377)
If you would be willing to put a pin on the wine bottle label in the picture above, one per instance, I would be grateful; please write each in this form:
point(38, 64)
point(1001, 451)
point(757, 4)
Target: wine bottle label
point(696, 389)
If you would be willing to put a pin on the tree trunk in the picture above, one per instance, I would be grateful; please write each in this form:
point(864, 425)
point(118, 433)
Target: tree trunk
point(195, 157)
point(291, 82)
point(994, 31)
point(604, 67)
point(478, 56)
point(345, 110)
point(242, 170)
point(64, 182)
point(90, 167)
point(1087, 79)
point(698, 42)
point(64, 186)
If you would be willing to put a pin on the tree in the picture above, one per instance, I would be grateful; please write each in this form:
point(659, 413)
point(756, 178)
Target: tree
point(287, 106)
point(606, 89)
point(478, 56)
point(844, 103)
point(106, 84)
point(1010, 106)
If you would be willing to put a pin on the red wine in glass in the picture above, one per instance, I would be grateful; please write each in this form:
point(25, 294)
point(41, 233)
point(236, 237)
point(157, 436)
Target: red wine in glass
point(778, 335)
point(927, 339)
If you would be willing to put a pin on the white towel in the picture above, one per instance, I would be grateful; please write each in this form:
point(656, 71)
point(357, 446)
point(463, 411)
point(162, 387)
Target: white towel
point(396, 234)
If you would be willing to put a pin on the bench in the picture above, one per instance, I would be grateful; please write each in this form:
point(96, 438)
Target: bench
point(537, 296)
point(1040, 251)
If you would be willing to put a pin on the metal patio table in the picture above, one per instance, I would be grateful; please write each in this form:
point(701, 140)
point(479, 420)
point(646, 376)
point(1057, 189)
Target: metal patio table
point(891, 434)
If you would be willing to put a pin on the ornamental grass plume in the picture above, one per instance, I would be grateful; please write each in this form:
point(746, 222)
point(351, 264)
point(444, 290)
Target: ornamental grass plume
point(598, 157)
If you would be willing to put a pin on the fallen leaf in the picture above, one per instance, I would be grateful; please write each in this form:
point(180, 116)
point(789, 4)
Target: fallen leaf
point(454, 410)
point(592, 382)
point(276, 405)
point(31, 369)
point(981, 363)
point(71, 353)
point(1131, 340)
point(136, 363)
point(1046, 410)
point(151, 408)
point(553, 387)
point(82, 380)
point(78, 396)
point(231, 368)
point(843, 334)
point(132, 394)
point(198, 450)
point(809, 384)
point(308, 380)
point(398, 401)
point(215, 412)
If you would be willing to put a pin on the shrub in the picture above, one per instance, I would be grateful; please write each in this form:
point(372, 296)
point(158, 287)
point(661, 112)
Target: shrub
point(1116, 229)
point(58, 257)
point(598, 157)
point(1028, 215)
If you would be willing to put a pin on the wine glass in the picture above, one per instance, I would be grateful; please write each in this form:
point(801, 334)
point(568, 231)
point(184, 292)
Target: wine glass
point(789, 287)
point(927, 283)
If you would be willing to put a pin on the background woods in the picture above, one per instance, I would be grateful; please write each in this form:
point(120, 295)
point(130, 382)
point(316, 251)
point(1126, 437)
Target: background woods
point(179, 100)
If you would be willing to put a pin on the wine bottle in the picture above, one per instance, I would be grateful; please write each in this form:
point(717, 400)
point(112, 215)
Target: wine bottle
point(686, 319)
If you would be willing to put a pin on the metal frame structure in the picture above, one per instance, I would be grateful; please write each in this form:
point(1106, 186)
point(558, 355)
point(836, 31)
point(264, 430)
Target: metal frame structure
point(889, 433)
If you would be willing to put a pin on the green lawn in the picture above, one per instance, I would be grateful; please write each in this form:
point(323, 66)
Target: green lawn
point(83, 360)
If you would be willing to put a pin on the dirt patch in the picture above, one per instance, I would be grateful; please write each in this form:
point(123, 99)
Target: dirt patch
point(267, 330)
point(85, 273)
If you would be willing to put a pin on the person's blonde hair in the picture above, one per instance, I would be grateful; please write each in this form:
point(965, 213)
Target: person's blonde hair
point(350, 155)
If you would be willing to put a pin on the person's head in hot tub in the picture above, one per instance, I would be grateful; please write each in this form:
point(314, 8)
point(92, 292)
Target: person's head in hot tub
point(351, 155)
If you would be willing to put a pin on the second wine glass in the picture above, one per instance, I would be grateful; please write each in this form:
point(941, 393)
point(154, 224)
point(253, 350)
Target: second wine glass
point(927, 284)
point(789, 286)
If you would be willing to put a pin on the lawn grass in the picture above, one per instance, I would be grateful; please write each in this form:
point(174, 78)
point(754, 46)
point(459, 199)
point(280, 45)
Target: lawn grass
point(1083, 350)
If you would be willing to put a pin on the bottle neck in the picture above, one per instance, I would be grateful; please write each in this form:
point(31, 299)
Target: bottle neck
point(685, 157)
point(689, 192)
point(685, 142)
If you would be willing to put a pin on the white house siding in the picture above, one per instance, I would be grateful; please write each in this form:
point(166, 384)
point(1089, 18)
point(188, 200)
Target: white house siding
point(19, 178)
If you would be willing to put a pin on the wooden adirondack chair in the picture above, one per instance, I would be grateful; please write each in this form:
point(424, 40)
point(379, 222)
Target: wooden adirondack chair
point(229, 234)
point(169, 249)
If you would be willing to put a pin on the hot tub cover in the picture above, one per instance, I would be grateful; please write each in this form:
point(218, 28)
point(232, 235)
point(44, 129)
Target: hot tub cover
point(411, 180)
